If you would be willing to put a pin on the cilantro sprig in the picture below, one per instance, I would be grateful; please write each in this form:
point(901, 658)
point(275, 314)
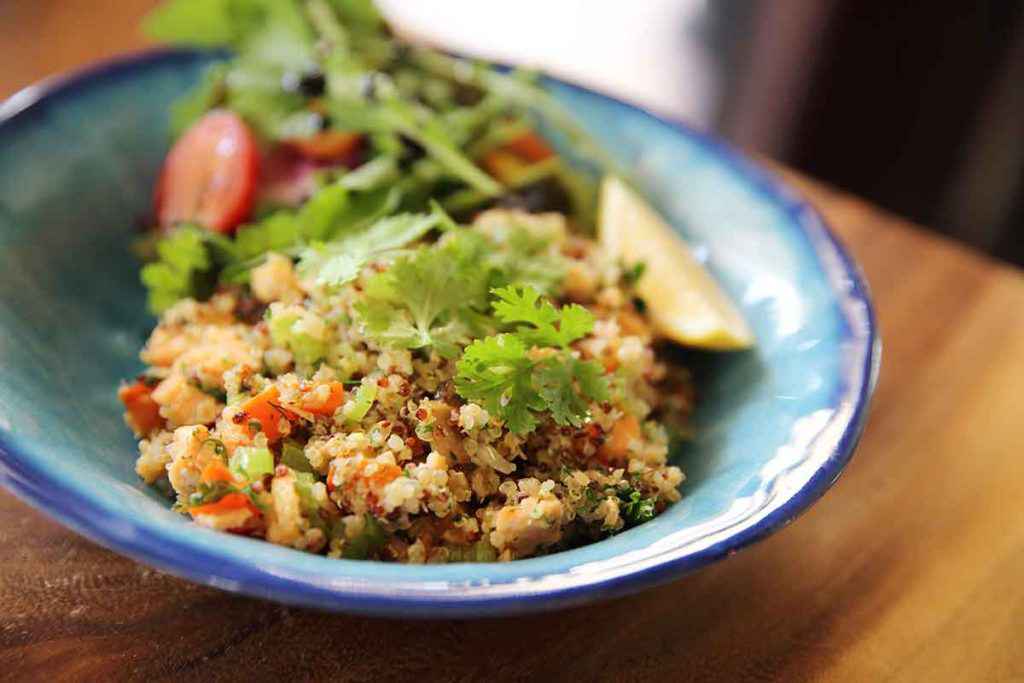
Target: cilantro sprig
point(434, 296)
point(522, 375)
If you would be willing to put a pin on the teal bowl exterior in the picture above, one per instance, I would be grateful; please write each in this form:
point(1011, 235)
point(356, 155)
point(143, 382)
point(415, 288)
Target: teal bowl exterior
point(78, 158)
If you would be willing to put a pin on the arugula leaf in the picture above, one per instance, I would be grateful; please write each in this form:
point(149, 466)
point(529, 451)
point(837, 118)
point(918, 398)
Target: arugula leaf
point(331, 213)
point(193, 22)
point(184, 262)
point(394, 115)
point(523, 305)
point(432, 297)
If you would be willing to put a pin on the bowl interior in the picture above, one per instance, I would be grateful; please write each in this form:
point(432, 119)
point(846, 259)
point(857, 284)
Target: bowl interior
point(76, 173)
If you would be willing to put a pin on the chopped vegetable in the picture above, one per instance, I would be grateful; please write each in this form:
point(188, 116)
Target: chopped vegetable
point(252, 463)
point(143, 411)
point(215, 472)
point(229, 503)
point(209, 176)
point(332, 145)
point(267, 414)
point(636, 509)
point(370, 540)
point(615, 450)
point(364, 398)
point(312, 402)
point(293, 456)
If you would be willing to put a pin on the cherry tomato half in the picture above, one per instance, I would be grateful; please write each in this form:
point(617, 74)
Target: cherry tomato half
point(210, 175)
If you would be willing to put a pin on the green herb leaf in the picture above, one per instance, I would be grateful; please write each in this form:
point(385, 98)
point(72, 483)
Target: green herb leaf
point(431, 297)
point(512, 382)
point(340, 261)
point(550, 327)
point(181, 270)
point(497, 372)
point(635, 508)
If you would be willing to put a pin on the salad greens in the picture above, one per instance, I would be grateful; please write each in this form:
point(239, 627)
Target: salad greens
point(302, 67)
point(433, 131)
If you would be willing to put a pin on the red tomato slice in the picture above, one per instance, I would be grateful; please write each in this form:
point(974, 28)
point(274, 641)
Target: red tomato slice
point(209, 176)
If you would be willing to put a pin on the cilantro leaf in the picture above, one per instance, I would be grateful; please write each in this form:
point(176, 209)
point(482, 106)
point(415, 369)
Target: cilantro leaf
point(523, 305)
point(497, 372)
point(567, 385)
point(341, 260)
point(431, 297)
point(515, 380)
point(181, 271)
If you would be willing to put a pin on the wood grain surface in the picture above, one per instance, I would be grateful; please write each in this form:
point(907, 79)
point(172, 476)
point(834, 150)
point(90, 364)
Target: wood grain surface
point(909, 569)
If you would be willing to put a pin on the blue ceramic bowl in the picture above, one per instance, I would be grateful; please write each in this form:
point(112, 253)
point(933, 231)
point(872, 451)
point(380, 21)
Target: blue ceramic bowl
point(776, 426)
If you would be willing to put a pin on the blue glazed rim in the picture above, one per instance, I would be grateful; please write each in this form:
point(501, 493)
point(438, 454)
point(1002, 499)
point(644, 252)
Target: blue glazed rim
point(76, 508)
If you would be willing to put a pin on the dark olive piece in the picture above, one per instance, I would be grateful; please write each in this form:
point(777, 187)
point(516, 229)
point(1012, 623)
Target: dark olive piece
point(543, 195)
point(309, 84)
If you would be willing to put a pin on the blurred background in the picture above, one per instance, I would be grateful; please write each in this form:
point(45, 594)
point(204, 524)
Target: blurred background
point(915, 106)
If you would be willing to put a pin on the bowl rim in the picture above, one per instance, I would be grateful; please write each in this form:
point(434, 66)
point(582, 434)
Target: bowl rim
point(29, 480)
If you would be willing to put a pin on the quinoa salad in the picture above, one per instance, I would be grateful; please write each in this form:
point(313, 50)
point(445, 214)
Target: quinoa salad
point(388, 327)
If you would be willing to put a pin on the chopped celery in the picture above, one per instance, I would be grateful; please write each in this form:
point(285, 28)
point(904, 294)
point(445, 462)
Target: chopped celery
point(252, 463)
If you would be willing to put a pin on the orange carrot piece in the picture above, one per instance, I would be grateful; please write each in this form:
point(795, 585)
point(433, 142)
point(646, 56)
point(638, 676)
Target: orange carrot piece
point(503, 165)
point(530, 147)
point(385, 474)
point(143, 411)
point(216, 471)
point(263, 408)
point(229, 503)
point(616, 448)
point(329, 145)
point(312, 404)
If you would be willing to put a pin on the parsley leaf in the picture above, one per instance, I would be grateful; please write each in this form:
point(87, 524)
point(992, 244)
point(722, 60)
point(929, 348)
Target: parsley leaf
point(555, 380)
point(523, 305)
point(635, 508)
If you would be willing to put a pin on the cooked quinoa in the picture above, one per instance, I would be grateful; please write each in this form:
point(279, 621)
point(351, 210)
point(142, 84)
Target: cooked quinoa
point(370, 452)
point(385, 331)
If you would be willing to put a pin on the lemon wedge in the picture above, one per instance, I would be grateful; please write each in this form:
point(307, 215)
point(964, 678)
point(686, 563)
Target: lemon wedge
point(685, 303)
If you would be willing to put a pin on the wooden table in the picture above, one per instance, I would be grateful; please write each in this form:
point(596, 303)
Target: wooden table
point(911, 568)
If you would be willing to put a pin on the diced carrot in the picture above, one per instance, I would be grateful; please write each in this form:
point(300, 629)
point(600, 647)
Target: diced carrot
point(616, 448)
point(216, 471)
point(632, 324)
point(229, 503)
point(530, 147)
point(311, 401)
point(384, 475)
point(330, 478)
point(263, 408)
point(328, 145)
point(503, 165)
point(143, 411)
